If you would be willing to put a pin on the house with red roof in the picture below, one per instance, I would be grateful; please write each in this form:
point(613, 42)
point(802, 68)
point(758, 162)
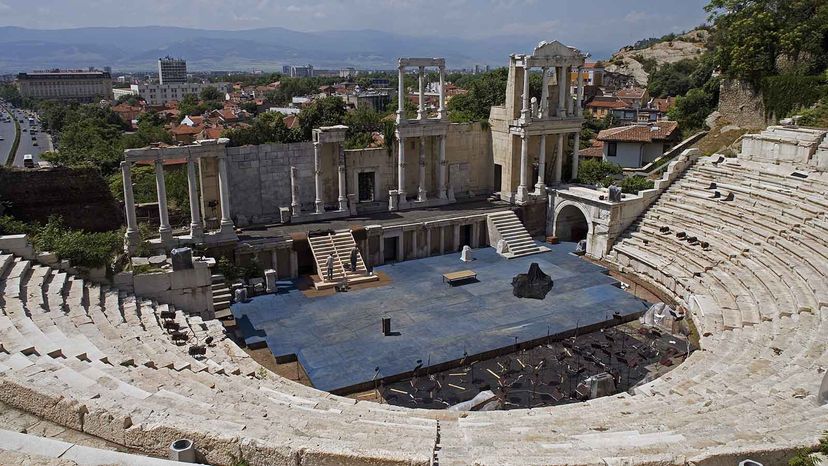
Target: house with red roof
point(637, 145)
point(601, 105)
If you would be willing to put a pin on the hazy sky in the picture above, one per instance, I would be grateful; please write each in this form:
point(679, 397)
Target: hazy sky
point(603, 23)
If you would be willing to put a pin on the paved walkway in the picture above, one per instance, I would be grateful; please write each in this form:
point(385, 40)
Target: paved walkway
point(338, 339)
point(384, 218)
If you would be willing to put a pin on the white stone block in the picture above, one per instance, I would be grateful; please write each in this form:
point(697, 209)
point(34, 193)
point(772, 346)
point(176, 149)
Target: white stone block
point(151, 284)
point(270, 279)
point(47, 258)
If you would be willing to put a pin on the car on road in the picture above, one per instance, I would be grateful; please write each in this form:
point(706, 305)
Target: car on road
point(34, 143)
point(2, 138)
point(24, 130)
point(28, 161)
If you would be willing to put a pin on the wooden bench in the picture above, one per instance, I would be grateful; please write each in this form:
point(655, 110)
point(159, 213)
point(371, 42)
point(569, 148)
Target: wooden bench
point(453, 277)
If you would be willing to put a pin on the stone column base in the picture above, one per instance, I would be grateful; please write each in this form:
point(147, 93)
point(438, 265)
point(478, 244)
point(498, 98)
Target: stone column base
point(166, 236)
point(540, 188)
point(521, 195)
point(132, 239)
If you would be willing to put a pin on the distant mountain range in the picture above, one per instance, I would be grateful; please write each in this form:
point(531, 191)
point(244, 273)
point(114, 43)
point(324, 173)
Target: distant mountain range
point(138, 48)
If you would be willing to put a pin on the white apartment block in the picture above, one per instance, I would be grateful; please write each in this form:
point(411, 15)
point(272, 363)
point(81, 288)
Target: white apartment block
point(159, 94)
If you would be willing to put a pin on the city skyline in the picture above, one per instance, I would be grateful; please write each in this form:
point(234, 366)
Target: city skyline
point(530, 20)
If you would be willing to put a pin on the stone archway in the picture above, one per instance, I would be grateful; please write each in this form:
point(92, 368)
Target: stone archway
point(571, 224)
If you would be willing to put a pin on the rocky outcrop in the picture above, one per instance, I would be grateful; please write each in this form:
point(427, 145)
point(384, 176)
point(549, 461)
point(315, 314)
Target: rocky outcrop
point(686, 46)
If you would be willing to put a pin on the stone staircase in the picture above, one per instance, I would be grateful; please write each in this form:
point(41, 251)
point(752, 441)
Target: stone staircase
point(514, 234)
point(340, 245)
point(222, 297)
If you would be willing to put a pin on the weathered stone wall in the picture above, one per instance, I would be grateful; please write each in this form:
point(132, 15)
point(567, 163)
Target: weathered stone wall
point(259, 179)
point(259, 176)
point(79, 195)
point(740, 104)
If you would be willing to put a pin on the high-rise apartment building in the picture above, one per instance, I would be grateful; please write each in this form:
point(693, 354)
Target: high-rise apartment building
point(172, 70)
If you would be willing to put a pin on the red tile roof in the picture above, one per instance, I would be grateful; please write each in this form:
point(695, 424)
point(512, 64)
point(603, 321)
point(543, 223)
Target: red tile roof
point(182, 130)
point(606, 102)
point(596, 150)
point(660, 131)
point(631, 93)
point(663, 105)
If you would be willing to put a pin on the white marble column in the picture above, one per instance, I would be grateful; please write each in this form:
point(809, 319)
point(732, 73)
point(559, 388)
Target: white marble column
point(579, 107)
point(540, 186)
point(317, 172)
point(525, 111)
point(401, 172)
point(559, 75)
point(522, 192)
point(421, 107)
point(422, 192)
point(163, 215)
point(295, 205)
point(274, 261)
point(343, 198)
point(224, 196)
point(575, 149)
point(196, 229)
point(559, 158)
point(441, 112)
point(401, 95)
point(132, 235)
point(569, 101)
point(441, 170)
point(544, 104)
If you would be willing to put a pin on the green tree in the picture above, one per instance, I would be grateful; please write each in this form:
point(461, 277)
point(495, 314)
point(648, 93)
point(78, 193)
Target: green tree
point(265, 128)
point(327, 111)
point(211, 94)
point(691, 109)
point(758, 38)
point(9, 93)
point(597, 171)
point(484, 91)
point(673, 79)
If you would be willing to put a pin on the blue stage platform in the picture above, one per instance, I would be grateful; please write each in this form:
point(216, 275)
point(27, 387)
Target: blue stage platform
point(338, 338)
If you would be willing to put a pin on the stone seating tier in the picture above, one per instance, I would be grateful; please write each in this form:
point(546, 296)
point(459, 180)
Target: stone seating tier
point(102, 362)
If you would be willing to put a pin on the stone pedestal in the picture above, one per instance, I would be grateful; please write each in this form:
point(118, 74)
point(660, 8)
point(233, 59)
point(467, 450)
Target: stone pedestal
point(392, 200)
point(270, 280)
point(466, 254)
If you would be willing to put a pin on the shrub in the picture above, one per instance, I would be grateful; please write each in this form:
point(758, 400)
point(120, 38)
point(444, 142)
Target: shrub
point(634, 184)
point(81, 248)
point(228, 269)
point(11, 226)
point(598, 171)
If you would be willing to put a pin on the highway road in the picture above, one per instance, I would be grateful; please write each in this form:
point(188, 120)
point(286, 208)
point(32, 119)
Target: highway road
point(27, 144)
point(7, 133)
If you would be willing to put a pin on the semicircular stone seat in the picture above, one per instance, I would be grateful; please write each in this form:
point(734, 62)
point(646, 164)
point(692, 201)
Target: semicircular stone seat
point(101, 362)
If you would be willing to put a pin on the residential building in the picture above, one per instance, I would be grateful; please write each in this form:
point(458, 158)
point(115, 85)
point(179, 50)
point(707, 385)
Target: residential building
point(377, 101)
point(172, 70)
point(118, 93)
point(348, 73)
point(81, 86)
point(637, 145)
point(298, 71)
point(635, 97)
point(600, 106)
point(158, 94)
